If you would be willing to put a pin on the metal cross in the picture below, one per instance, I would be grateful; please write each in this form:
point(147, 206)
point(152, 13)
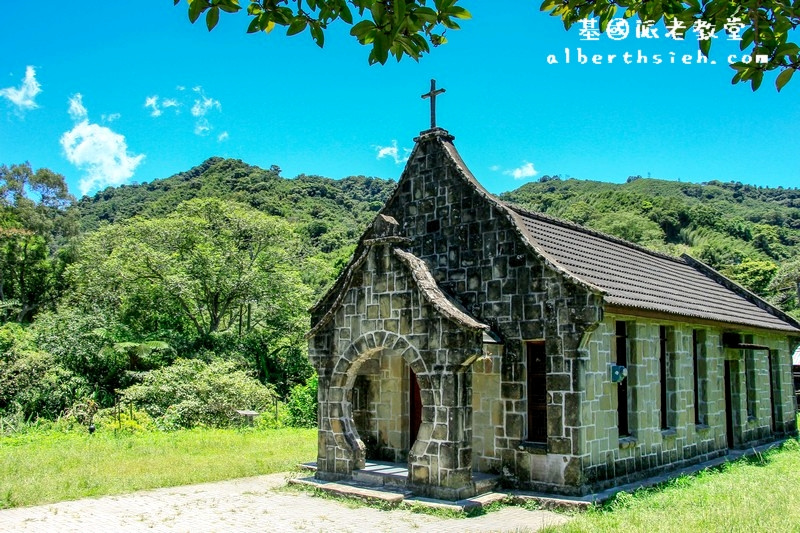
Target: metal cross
point(432, 95)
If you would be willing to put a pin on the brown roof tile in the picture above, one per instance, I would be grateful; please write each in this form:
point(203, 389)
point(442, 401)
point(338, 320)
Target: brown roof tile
point(631, 276)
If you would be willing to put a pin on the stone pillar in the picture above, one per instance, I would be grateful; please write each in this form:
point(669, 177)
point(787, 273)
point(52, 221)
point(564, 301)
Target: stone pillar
point(440, 462)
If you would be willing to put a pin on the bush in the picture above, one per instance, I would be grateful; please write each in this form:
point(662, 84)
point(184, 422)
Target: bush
point(127, 420)
point(32, 382)
point(76, 341)
point(302, 404)
point(193, 393)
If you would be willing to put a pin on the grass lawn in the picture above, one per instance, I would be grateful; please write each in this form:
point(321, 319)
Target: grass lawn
point(760, 494)
point(754, 495)
point(37, 468)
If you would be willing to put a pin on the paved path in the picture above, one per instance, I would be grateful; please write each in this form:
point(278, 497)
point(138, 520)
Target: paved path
point(249, 504)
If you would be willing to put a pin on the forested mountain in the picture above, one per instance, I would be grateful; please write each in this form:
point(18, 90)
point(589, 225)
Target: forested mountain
point(330, 212)
point(747, 232)
point(185, 281)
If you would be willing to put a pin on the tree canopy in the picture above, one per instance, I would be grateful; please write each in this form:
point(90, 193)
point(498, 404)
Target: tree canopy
point(399, 27)
point(406, 27)
point(763, 27)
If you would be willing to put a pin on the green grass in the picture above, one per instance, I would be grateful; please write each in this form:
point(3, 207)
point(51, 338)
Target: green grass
point(758, 494)
point(761, 493)
point(38, 468)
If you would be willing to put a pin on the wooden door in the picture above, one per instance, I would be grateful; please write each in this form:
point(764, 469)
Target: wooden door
point(537, 392)
point(728, 404)
point(415, 407)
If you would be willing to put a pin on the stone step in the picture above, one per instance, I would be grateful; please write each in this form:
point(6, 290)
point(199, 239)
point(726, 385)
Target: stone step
point(348, 490)
point(485, 483)
point(395, 497)
point(381, 478)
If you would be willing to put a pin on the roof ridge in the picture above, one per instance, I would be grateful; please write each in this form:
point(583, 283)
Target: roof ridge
point(593, 232)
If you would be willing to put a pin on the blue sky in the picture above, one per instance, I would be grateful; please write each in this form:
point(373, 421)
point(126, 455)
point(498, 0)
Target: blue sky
point(121, 92)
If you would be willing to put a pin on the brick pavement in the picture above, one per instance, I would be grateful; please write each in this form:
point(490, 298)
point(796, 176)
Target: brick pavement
point(248, 504)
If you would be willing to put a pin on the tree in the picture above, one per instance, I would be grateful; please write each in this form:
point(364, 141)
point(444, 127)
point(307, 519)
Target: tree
point(785, 287)
point(753, 274)
point(35, 221)
point(631, 227)
point(396, 27)
point(763, 25)
point(211, 266)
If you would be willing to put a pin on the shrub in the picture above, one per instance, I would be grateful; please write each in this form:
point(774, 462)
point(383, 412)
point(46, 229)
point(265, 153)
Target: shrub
point(32, 382)
point(127, 420)
point(191, 393)
point(302, 404)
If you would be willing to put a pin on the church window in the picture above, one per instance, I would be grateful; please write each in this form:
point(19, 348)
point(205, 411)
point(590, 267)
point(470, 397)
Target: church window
point(537, 391)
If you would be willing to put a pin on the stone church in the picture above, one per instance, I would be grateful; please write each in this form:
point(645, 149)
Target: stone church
point(469, 337)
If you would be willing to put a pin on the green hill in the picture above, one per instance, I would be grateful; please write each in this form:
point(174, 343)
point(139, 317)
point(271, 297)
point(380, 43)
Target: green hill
point(749, 233)
point(331, 213)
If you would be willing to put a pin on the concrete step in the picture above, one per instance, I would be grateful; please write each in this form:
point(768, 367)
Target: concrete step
point(382, 474)
point(394, 497)
point(350, 490)
point(485, 483)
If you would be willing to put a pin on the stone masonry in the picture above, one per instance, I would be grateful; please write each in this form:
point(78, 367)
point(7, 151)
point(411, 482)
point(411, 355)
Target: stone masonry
point(448, 288)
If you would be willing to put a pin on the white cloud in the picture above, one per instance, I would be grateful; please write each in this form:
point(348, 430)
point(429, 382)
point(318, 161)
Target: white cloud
point(201, 109)
point(394, 152)
point(76, 109)
point(202, 106)
point(494, 168)
point(151, 102)
point(205, 104)
point(223, 136)
point(98, 150)
point(23, 97)
point(110, 118)
point(525, 171)
point(202, 127)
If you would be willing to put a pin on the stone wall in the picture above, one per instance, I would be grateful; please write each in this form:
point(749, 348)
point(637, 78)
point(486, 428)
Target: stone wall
point(488, 409)
point(383, 326)
point(612, 459)
point(478, 255)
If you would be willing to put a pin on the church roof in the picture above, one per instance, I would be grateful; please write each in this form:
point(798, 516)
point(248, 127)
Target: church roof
point(628, 275)
point(631, 276)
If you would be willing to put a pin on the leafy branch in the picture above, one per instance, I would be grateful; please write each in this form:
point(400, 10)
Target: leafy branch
point(767, 26)
point(397, 27)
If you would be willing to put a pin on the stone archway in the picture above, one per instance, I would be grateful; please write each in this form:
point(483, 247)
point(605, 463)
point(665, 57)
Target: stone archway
point(337, 421)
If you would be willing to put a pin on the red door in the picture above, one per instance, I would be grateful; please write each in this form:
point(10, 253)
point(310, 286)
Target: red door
point(415, 407)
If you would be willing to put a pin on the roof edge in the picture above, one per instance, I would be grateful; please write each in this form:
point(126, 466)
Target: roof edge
point(734, 287)
point(641, 312)
point(506, 210)
point(430, 290)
